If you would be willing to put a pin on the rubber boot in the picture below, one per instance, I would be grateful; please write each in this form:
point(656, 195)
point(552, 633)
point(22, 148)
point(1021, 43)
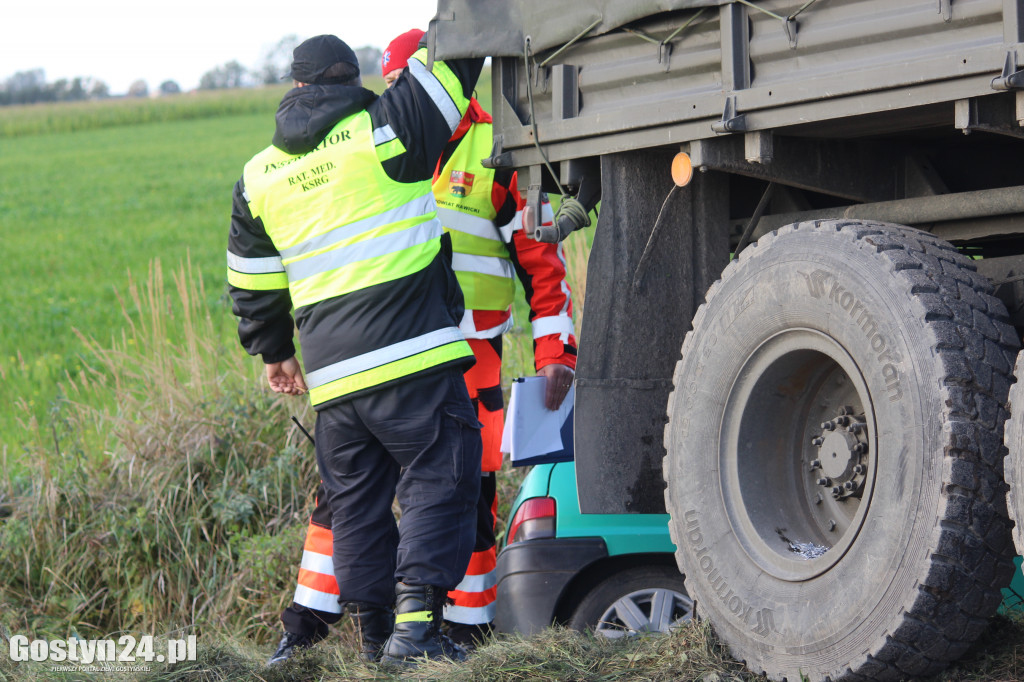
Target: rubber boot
point(373, 627)
point(418, 618)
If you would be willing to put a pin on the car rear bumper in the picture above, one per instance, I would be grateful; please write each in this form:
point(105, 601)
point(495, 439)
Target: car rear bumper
point(532, 576)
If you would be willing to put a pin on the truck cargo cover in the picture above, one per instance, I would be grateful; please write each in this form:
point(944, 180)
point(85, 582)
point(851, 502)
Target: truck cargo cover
point(496, 28)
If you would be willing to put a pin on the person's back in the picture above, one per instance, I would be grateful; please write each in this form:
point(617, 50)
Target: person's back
point(337, 219)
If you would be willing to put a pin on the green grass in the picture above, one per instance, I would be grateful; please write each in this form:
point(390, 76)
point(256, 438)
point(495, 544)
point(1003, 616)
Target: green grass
point(80, 211)
point(92, 193)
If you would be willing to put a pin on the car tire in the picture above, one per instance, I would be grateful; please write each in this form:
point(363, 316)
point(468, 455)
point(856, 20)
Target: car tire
point(835, 454)
point(639, 599)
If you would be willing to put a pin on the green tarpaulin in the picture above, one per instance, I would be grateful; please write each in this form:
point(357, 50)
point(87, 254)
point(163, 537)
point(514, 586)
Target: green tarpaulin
point(497, 28)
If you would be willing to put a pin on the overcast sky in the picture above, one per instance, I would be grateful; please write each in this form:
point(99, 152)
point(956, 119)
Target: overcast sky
point(120, 41)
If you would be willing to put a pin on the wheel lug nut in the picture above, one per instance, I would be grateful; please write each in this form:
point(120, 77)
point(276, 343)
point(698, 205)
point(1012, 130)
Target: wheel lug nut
point(859, 469)
point(815, 464)
point(837, 491)
point(860, 448)
point(817, 441)
point(851, 486)
point(831, 524)
point(842, 420)
point(828, 426)
point(824, 482)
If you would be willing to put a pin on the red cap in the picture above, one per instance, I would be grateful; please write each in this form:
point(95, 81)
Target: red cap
point(396, 56)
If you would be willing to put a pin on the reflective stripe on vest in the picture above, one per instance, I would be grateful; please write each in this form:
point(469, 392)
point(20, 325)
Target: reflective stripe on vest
point(342, 225)
point(257, 274)
point(443, 86)
point(465, 207)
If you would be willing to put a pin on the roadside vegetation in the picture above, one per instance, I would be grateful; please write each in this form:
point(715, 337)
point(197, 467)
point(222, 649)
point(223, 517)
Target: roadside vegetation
point(149, 482)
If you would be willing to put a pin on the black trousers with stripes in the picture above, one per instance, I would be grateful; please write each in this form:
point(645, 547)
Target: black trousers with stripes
point(419, 441)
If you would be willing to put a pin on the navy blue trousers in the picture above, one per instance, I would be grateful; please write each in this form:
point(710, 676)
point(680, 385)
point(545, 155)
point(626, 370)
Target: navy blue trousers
point(419, 441)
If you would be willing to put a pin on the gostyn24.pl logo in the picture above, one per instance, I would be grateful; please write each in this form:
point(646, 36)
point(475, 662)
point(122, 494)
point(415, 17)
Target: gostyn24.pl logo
point(126, 649)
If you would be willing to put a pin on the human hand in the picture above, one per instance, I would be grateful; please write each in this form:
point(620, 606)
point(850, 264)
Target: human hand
point(560, 380)
point(286, 377)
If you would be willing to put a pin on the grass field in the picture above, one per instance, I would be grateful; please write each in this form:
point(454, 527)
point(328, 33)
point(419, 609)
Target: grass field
point(84, 211)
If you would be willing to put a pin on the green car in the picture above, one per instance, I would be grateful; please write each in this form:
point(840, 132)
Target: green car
point(613, 573)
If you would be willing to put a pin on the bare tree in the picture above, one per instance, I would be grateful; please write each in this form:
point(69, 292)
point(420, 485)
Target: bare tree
point(369, 60)
point(138, 88)
point(230, 75)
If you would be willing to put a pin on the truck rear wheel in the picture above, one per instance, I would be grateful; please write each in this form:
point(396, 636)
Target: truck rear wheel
point(1014, 440)
point(835, 454)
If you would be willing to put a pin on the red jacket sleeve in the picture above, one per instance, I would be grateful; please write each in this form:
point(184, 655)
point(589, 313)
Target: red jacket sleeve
point(541, 269)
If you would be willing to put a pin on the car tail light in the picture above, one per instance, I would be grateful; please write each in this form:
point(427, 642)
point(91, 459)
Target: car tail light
point(535, 518)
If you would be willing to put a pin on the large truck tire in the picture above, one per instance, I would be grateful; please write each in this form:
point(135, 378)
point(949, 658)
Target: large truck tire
point(835, 457)
point(1014, 463)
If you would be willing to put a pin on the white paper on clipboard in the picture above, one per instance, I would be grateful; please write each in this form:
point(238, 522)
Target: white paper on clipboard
point(531, 429)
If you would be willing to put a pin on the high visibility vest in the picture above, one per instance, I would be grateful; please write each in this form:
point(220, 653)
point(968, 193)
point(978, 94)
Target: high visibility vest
point(466, 210)
point(360, 253)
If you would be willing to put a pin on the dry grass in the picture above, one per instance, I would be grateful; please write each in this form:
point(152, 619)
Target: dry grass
point(556, 655)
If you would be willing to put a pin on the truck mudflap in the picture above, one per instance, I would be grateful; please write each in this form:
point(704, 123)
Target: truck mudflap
point(655, 252)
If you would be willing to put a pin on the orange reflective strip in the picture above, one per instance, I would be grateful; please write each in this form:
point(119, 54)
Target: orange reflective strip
point(493, 423)
point(319, 540)
point(474, 599)
point(318, 581)
point(487, 370)
point(482, 562)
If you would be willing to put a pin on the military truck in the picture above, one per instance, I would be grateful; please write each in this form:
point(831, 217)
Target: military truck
point(804, 300)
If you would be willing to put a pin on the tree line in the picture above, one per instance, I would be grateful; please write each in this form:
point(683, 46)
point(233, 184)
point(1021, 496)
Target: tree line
point(30, 87)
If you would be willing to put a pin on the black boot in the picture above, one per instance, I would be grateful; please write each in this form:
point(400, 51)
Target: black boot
point(373, 627)
point(303, 627)
point(293, 642)
point(469, 637)
point(418, 614)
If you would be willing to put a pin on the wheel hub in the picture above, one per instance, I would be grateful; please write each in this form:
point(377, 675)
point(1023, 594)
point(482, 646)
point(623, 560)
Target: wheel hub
point(841, 466)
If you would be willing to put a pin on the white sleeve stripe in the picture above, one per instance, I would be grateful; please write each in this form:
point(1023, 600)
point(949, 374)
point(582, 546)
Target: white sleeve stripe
point(554, 324)
point(515, 224)
point(255, 266)
point(383, 134)
point(442, 100)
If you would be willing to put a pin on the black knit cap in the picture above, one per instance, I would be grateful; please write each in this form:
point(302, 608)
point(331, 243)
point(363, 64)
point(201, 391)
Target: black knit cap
point(315, 56)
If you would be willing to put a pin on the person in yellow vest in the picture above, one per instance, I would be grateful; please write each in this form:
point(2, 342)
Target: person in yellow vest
point(336, 222)
point(481, 209)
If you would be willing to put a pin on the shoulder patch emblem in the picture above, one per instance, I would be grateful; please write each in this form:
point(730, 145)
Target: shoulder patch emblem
point(460, 183)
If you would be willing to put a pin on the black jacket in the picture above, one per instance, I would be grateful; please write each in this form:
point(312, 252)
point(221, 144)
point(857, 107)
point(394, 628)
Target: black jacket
point(303, 119)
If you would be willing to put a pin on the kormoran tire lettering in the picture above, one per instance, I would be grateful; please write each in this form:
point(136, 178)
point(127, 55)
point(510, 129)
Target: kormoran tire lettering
point(862, 317)
point(763, 623)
